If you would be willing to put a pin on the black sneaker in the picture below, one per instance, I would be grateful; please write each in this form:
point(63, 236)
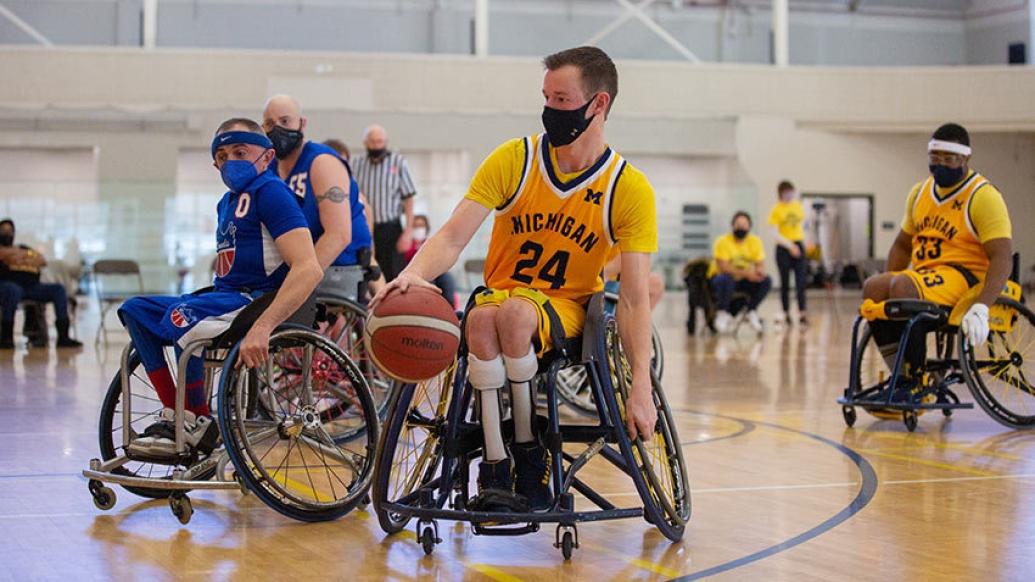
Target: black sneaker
point(532, 475)
point(496, 489)
point(158, 441)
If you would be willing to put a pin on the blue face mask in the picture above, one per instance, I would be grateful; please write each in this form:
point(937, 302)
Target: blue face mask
point(945, 176)
point(237, 174)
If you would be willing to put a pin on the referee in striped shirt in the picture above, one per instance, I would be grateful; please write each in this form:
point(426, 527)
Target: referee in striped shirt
point(385, 178)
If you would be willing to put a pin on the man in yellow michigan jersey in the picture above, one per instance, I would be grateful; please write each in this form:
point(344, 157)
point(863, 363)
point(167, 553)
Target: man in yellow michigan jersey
point(955, 235)
point(561, 200)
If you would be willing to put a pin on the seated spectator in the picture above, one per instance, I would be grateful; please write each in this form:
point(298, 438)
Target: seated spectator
point(738, 267)
point(445, 281)
point(20, 279)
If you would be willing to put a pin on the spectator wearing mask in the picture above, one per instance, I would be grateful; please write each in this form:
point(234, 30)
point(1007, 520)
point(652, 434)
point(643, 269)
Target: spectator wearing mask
point(738, 267)
point(445, 281)
point(20, 268)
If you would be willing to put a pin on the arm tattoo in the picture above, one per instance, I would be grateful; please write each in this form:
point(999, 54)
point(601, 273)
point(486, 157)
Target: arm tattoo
point(334, 194)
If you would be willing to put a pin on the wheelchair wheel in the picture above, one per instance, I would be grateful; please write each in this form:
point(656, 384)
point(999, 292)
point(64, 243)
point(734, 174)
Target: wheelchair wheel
point(411, 444)
point(660, 461)
point(346, 330)
point(573, 384)
point(144, 407)
point(285, 450)
point(1000, 374)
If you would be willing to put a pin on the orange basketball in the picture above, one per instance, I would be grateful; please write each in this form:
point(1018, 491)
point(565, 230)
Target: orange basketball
point(413, 336)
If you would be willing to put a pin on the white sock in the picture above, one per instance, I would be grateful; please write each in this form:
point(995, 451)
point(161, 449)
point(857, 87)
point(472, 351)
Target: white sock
point(520, 372)
point(488, 378)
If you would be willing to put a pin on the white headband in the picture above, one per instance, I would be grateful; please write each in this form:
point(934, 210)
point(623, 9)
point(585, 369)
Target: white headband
point(936, 145)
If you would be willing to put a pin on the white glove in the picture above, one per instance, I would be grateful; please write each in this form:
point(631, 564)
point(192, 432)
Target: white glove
point(975, 324)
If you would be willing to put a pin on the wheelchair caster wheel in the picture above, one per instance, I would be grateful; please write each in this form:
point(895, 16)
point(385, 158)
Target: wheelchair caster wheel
point(459, 502)
point(849, 413)
point(946, 412)
point(567, 539)
point(427, 536)
point(909, 417)
point(103, 497)
point(240, 483)
point(427, 541)
point(365, 501)
point(181, 508)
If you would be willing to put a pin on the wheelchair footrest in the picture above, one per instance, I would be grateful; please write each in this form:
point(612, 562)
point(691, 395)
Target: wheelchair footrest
point(868, 403)
point(484, 518)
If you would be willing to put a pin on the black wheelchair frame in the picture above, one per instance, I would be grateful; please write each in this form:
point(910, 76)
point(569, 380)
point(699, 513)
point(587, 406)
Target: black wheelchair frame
point(955, 362)
point(458, 442)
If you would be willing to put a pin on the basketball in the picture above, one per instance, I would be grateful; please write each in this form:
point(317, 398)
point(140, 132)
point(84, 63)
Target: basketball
point(413, 336)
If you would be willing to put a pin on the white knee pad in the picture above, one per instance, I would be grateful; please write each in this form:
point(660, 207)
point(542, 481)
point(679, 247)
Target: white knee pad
point(522, 369)
point(520, 372)
point(486, 374)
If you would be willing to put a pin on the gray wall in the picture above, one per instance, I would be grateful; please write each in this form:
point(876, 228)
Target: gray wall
point(878, 34)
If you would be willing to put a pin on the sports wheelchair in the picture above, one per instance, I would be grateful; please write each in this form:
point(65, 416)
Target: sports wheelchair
point(573, 382)
point(432, 437)
point(999, 374)
point(299, 432)
point(341, 317)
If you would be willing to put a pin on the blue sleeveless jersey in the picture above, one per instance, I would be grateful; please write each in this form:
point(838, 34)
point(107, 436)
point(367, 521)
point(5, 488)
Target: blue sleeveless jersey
point(299, 182)
point(249, 223)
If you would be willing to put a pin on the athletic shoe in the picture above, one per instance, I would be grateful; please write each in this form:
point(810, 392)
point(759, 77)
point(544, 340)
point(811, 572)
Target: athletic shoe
point(722, 321)
point(496, 489)
point(754, 321)
point(158, 441)
point(803, 320)
point(532, 475)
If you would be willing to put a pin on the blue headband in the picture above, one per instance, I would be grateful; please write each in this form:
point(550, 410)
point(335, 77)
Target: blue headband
point(235, 137)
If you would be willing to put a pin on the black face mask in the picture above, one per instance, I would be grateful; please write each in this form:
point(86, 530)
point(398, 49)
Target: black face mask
point(376, 154)
point(564, 127)
point(740, 233)
point(945, 176)
point(284, 140)
point(6, 240)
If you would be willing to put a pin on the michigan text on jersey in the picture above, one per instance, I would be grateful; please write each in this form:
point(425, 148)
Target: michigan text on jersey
point(556, 222)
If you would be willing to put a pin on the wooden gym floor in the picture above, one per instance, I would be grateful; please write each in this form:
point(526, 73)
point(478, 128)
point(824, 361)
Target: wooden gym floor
point(781, 489)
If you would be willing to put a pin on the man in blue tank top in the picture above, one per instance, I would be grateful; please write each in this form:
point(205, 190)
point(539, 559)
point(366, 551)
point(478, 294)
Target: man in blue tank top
point(322, 182)
point(263, 244)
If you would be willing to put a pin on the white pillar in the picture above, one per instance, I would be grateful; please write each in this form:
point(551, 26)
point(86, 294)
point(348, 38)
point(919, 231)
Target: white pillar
point(481, 28)
point(781, 25)
point(150, 18)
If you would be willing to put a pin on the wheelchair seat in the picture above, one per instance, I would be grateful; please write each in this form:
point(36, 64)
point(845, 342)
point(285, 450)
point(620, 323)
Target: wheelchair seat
point(304, 315)
point(902, 310)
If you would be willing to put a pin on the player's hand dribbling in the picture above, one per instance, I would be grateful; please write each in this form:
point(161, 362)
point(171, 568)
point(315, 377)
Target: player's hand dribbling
point(255, 348)
point(402, 283)
point(640, 414)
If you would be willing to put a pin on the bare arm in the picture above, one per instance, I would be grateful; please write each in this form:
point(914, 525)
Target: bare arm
point(331, 185)
point(441, 251)
point(634, 325)
point(296, 248)
point(1000, 263)
point(901, 252)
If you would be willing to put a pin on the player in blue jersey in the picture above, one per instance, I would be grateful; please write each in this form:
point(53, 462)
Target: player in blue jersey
point(263, 244)
point(323, 184)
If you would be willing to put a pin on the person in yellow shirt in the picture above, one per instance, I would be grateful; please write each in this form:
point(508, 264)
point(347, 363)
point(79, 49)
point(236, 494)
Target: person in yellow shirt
point(562, 200)
point(738, 267)
point(788, 221)
point(956, 235)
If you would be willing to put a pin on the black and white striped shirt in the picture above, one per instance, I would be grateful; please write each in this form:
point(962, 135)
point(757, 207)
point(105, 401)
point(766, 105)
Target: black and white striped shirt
point(386, 184)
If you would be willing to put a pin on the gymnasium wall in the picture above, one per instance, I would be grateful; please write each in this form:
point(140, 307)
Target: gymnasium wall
point(878, 33)
point(717, 134)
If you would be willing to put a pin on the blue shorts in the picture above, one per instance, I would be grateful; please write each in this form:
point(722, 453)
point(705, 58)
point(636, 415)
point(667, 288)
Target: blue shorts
point(186, 318)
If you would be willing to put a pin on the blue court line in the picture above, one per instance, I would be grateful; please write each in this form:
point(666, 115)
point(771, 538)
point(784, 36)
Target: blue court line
point(867, 490)
point(746, 426)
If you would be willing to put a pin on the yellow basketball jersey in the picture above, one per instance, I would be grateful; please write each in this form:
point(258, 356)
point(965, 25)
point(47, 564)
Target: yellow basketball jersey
point(551, 235)
point(943, 233)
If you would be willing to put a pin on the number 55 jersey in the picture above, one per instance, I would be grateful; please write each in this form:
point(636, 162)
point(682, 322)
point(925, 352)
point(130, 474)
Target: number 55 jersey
point(553, 232)
point(950, 225)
